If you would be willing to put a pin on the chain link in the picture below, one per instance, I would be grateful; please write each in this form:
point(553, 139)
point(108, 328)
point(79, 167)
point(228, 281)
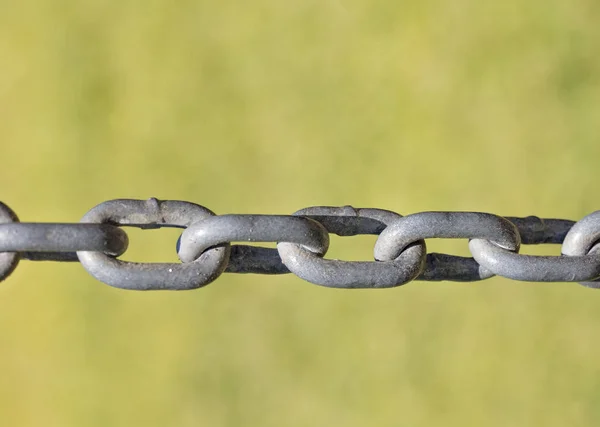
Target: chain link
point(400, 255)
point(347, 221)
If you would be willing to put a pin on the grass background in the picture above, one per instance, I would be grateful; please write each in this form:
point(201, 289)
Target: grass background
point(269, 107)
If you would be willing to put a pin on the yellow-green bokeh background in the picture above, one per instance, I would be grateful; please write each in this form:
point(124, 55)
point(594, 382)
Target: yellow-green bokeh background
point(269, 107)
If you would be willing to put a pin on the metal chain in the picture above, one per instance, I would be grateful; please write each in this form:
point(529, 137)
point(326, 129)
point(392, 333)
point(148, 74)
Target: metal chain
point(302, 239)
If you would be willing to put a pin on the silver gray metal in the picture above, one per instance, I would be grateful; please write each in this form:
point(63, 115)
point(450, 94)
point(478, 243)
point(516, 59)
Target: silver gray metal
point(581, 262)
point(8, 260)
point(583, 240)
point(535, 231)
point(452, 225)
point(255, 260)
point(216, 230)
point(348, 221)
point(453, 268)
point(302, 242)
point(579, 266)
point(152, 213)
point(533, 268)
point(55, 241)
point(583, 236)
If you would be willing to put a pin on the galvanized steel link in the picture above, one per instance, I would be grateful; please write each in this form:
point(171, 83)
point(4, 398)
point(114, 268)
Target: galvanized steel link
point(534, 268)
point(453, 225)
point(152, 213)
point(215, 230)
point(533, 231)
point(57, 241)
point(256, 260)
point(348, 221)
point(580, 261)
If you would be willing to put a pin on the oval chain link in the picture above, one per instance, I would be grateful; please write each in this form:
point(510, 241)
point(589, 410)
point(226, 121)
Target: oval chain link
point(216, 230)
point(152, 213)
point(348, 221)
point(580, 261)
point(451, 225)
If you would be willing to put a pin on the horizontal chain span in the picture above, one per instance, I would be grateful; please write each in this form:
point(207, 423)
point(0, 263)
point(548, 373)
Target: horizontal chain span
point(206, 248)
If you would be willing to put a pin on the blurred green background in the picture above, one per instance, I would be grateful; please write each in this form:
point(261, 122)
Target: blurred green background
point(269, 107)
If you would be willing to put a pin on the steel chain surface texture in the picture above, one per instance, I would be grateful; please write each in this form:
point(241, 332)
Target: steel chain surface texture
point(10, 258)
point(400, 254)
point(348, 221)
point(452, 225)
point(152, 276)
